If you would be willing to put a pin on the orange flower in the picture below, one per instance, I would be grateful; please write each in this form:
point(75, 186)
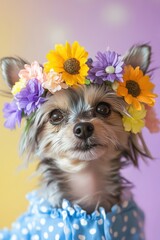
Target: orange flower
point(136, 88)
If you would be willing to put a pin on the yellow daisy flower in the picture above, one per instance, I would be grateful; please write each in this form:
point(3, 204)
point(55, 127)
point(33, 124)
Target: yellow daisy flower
point(70, 61)
point(18, 86)
point(136, 88)
point(134, 122)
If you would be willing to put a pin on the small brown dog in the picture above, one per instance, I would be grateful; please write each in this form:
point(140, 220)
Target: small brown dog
point(79, 137)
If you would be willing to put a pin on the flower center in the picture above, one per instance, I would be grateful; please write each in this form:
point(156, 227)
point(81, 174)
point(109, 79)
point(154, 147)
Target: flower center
point(110, 69)
point(72, 66)
point(133, 88)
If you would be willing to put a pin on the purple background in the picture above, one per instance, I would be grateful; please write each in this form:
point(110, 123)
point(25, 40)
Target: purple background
point(96, 24)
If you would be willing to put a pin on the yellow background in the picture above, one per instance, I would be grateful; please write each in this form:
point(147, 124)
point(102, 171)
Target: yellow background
point(25, 31)
point(14, 183)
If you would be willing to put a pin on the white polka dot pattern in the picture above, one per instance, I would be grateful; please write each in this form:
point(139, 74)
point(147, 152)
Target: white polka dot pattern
point(83, 222)
point(29, 225)
point(44, 209)
point(71, 222)
point(113, 219)
point(35, 237)
point(81, 237)
point(123, 238)
point(71, 210)
point(75, 226)
point(125, 218)
point(115, 234)
point(57, 237)
point(24, 231)
point(14, 237)
point(50, 228)
point(42, 221)
point(61, 224)
point(133, 230)
point(124, 228)
point(45, 235)
point(125, 204)
point(92, 231)
point(66, 230)
point(100, 221)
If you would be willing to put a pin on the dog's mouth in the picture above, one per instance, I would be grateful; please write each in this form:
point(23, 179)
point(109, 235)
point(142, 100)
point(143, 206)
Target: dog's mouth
point(87, 150)
point(84, 147)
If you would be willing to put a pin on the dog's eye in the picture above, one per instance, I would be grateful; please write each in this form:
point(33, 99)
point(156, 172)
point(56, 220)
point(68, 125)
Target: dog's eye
point(56, 117)
point(103, 108)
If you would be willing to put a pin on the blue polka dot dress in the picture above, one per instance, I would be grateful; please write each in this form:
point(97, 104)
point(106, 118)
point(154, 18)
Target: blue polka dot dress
point(71, 222)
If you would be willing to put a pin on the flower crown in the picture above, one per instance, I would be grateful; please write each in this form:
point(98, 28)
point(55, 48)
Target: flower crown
point(69, 65)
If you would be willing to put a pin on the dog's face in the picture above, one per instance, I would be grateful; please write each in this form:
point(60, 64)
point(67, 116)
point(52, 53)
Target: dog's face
point(81, 123)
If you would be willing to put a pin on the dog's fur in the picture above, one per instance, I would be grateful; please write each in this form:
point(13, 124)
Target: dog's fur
point(84, 171)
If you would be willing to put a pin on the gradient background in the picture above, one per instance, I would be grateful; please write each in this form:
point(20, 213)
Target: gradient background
point(30, 29)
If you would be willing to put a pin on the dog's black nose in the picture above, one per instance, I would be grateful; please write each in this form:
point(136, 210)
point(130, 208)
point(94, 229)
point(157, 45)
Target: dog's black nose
point(83, 130)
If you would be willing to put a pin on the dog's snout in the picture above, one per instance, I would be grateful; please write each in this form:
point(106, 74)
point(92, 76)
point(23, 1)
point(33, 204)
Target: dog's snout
point(83, 130)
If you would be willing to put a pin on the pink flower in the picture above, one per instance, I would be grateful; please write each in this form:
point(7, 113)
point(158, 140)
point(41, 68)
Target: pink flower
point(54, 82)
point(151, 120)
point(32, 71)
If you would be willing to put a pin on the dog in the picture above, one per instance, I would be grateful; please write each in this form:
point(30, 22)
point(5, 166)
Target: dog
point(79, 137)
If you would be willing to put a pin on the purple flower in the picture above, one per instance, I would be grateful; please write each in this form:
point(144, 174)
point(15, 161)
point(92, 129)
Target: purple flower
point(109, 66)
point(12, 114)
point(30, 97)
point(91, 76)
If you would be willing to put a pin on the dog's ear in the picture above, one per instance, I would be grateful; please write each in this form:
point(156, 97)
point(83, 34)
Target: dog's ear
point(138, 55)
point(10, 68)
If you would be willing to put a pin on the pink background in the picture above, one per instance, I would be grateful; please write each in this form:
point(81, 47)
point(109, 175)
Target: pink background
point(96, 24)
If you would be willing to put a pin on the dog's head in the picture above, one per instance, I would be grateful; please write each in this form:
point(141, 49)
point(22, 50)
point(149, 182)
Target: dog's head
point(82, 122)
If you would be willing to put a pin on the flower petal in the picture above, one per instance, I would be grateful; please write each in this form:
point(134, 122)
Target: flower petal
point(107, 59)
point(122, 91)
point(134, 121)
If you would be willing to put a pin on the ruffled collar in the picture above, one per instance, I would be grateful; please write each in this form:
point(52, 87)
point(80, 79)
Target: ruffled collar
point(42, 205)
